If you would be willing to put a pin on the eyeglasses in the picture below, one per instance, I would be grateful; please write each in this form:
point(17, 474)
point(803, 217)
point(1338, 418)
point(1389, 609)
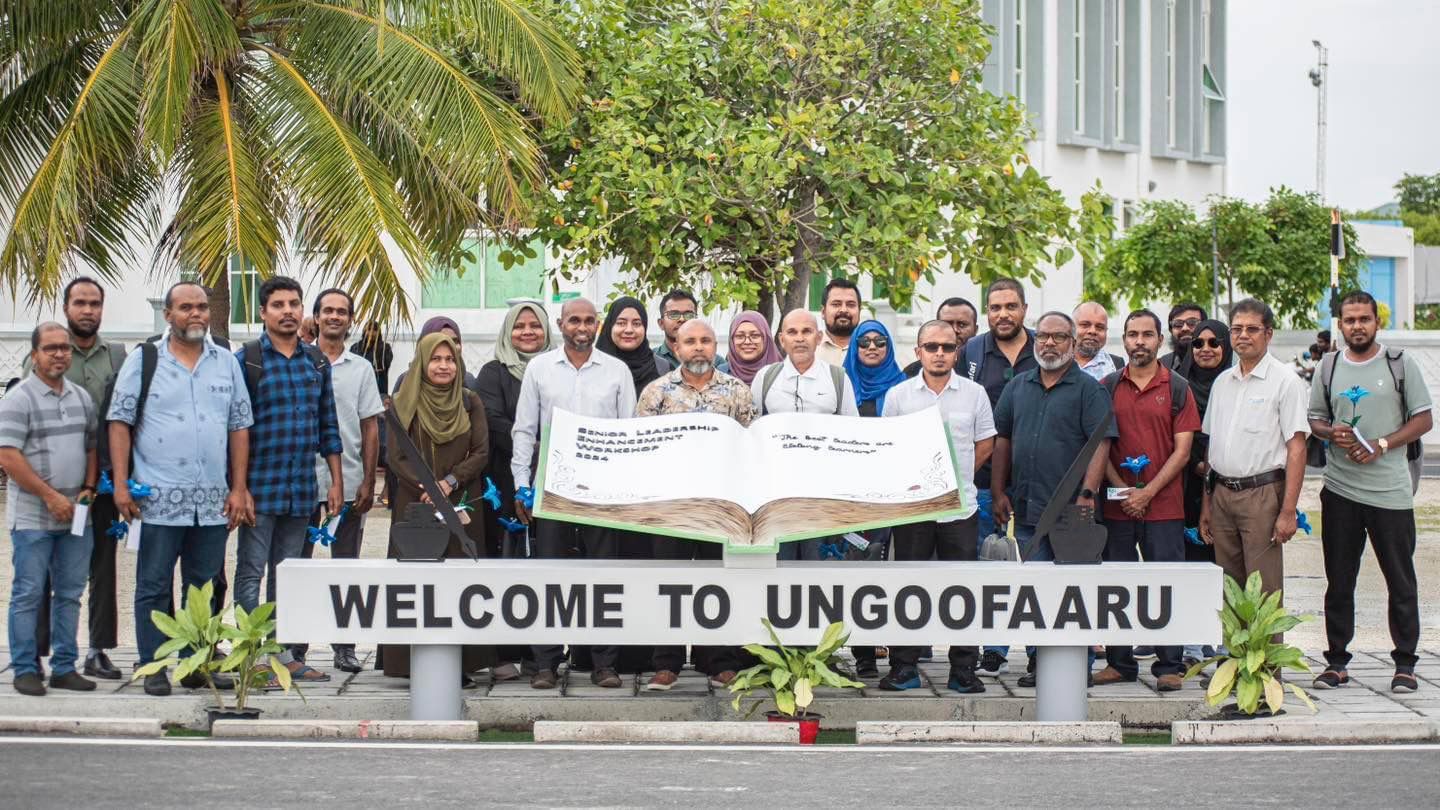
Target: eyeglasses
point(56, 350)
point(1247, 331)
point(1207, 343)
point(873, 342)
point(1052, 337)
point(941, 348)
point(747, 337)
point(678, 315)
point(1181, 323)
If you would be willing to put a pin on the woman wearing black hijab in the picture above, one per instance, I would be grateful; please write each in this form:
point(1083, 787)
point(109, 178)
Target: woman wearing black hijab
point(1210, 356)
point(623, 336)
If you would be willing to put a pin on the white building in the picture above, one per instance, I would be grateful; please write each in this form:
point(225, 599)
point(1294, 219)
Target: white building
point(1125, 92)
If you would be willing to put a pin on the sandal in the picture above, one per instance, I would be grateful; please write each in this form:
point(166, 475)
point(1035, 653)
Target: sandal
point(308, 674)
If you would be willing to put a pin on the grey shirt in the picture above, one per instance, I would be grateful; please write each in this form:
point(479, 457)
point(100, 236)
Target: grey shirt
point(54, 431)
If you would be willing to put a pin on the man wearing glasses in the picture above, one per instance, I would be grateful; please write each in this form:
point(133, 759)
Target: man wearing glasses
point(677, 307)
point(1257, 425)
point(1043, 421)
point(1184, 317)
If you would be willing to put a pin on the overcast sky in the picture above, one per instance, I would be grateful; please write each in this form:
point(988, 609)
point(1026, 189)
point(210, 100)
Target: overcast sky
point(1384, 95)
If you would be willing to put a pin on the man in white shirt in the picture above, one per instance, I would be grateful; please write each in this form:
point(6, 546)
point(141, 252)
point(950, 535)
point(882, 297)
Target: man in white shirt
point(840, 307)
point(357, 411)
point(1257, 425)
point(965, 408)
point(802, 383)
point(590, 383)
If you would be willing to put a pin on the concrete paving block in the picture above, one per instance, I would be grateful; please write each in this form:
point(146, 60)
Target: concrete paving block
point(454, 731)
point(87, 726)
point(871, 733)
point(1303, 730)
point(551, 731)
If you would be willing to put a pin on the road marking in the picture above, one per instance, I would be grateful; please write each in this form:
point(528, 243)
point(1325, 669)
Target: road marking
point(690, 749)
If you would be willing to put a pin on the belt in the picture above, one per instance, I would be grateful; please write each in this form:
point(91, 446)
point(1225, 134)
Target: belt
point(1251, 482)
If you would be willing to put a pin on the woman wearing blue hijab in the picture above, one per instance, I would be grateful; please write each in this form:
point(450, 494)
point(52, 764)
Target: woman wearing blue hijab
point(870, 365)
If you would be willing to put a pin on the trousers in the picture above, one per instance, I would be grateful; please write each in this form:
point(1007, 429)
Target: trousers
point(1345, 525)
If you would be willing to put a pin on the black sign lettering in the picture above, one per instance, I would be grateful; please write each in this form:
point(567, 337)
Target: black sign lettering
point(676, 594)
point(427, 600)
point(354, 604)
point(507, 605)
point(993, 601)
point(1072, 609)
point(394, 604)
point(772, 606)
point(722, 603)
point(1143, 597)
point(1113, 601)
point(606, 612)
point(872, 619)
point(967, 602)
point(832, 606)
point(570, 606)
point(467, 614)
point(921, 617)
point(1027, 609)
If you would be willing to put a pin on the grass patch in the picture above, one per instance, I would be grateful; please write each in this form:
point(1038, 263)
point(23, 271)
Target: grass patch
point(181, 731)
point(1146, 738)
point(500, 735)
point(836, 736)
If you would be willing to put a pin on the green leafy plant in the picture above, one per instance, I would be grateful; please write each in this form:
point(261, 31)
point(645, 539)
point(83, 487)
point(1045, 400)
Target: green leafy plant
point(197, 629)
point(1250, 619)
point(790, 674)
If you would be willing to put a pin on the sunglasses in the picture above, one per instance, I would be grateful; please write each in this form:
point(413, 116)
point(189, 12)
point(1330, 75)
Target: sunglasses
point(875, 342)
point(943, 348)
point(1208, 343)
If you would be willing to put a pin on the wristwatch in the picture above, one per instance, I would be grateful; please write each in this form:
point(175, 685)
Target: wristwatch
point(1384, 446)
point(1087, 493)
point(452, 481)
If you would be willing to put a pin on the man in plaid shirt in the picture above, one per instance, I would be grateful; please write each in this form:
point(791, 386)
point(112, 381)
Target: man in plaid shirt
point(294, 406)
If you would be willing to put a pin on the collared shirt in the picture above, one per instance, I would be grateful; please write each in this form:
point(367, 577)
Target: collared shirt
point(357, 398)
point(994, 374)
point(1385, 481)
point(1047, 429)
point(182, 446)
point(91, 368)
point(664, 353)
point(723, 394)
point(53, 431)
point(1250, 418)
point(966, 411)
point(811, 392)
point(1146, 426)
point(831, 352)
point(1100, 366)
point(603, 386)
point(294, 420)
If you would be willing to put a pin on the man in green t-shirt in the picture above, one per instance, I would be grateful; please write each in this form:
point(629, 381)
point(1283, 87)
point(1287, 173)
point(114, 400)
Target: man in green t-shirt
point(1368, 422)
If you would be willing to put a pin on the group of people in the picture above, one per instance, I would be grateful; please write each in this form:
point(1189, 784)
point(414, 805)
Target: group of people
point(281, 436)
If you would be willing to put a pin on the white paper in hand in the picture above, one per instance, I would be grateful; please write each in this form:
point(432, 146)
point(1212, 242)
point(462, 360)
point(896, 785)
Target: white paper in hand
point(132, 538)
point(333, 527)
point(82, 516)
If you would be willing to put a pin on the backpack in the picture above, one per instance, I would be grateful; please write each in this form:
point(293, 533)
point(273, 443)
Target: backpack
point(1179, 387)
point(1315, 454)
point(975, 355)
point(149, 357)
point(255, 366)
point(837, 375)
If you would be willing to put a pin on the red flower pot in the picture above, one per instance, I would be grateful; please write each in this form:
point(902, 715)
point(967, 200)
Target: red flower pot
point(809, 725)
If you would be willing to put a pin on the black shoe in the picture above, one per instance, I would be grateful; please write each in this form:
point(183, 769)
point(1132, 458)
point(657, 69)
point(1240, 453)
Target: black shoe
point(1144, 652)
point(195, 680)
point(72, 681)
point(899, 679)
point(1404, 681)
point(99, 666)
point(927, 653)
point(993, 664)
point(1331, 679)
point(30, 684)
point(345, 661)
point(866, 669)
point(1027, 680)
point(965, 682)
point(157, 684)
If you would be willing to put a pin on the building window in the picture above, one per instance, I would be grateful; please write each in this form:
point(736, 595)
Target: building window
point(244, 291)
point(482, 280)
point(1212, 97)
point(1077, 62)
point(1172, 107)
point(1015, 66)
point(1117, 54)
point(1017, 48)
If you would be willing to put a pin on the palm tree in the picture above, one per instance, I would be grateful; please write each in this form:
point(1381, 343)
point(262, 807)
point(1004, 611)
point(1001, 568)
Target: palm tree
point(254, 128)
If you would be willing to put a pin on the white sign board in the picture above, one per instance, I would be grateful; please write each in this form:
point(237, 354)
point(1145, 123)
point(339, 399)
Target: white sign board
point(658, 602)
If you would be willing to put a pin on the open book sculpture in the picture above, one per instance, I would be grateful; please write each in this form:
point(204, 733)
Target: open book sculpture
point(786, 477)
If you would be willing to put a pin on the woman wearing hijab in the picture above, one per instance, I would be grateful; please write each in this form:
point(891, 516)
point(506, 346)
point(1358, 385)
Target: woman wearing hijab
point(1210, 356)
point(870, 365)
point(752, 346)
point(445, 326)
point(448, 426)
point(622, 336)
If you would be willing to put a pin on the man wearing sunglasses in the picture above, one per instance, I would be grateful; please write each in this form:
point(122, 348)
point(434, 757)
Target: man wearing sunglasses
point(1184, 317)
point(676, 308)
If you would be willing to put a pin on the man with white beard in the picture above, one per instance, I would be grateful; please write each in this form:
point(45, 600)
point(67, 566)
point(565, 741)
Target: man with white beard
point(1045, 417)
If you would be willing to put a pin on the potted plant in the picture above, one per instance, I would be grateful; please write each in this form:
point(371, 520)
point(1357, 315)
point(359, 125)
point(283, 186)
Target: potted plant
point(198, 629)
point(1252, 665)
point(790, 675)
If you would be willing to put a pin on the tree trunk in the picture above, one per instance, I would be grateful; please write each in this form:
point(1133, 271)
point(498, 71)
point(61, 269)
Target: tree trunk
point(220, 307)
point(807, 242)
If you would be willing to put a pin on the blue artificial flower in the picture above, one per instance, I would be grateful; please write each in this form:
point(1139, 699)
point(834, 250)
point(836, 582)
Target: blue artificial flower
point(139, 490)
point(1354, 393)
point(105, 486)
point(492, 495)
point(321, 534)
point(1136, 464)
point(1192, 536)
point(1301, 522)
point(118, 529)
point(511, 525)
point(832, 551)
point(526, 496)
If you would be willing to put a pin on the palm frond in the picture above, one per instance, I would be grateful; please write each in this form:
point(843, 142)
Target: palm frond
point(179, 40)
point(344, 197)
point(32, 111)
point(32, 30)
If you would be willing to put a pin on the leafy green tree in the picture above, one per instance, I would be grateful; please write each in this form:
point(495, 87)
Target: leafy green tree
point(1277, 251)
point(743, 146)
point(261, 127)
point(1419, 193)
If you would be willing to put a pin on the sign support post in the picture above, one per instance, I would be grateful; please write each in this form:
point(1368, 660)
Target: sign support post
point(435, 682)
point(1062, 677)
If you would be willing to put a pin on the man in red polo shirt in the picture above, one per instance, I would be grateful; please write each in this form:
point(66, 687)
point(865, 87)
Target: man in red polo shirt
point(1148, 517)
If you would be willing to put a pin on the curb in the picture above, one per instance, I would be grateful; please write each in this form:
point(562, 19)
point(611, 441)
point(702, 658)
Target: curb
point(626, 731)
point(1240, 732)
point(451, 730)
point(90, 726)
point(1094, 731)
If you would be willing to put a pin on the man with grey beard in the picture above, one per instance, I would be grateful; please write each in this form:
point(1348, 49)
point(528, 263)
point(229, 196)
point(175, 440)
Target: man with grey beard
point(695, 387)
point(1043, 420)
point(187, 425)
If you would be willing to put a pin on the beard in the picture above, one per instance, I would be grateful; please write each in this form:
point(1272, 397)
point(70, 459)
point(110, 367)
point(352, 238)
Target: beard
point(82, 331)
point(1360, 345)
point(1055, 364)
point(699, 366)
point(194, 334)
point(1091, 346)
point(840, 329)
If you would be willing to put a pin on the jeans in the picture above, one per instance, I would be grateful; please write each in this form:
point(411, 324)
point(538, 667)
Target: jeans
point(1157, 541)
point(200, 550)
point(66, 559)
point(272, 540)
point(985, 513)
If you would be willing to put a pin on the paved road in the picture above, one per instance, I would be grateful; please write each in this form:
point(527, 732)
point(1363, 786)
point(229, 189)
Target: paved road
point(46, 772)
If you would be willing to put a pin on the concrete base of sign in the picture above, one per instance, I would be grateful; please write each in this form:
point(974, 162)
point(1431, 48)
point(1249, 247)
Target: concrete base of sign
point(1303, 730)
point(450, 730)
point(435, 682)
point(90, 726)
point(1061, 684)
point(869, 733)
point(553, 731)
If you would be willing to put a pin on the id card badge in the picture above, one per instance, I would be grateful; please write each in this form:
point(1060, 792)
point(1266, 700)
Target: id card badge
point(132, 538)
point(1117, 493)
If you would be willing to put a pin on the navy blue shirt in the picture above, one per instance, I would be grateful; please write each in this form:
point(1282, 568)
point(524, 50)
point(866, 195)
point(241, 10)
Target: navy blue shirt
point(994, 373)
point(294, 419)
point(1047, 429)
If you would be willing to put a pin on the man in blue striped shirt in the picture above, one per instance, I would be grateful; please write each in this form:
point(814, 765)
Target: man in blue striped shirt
point(294, 405)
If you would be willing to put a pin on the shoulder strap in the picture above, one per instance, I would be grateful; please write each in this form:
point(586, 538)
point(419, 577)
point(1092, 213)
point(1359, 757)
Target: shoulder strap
point(837, 376)
point(317, 357)
point(768, 380)
point(975, 356)
point(254, 367)
point(661, 365)
point(1111, 382)
point(1327, 376)
point(1179, 388)
point(1116, 360)
point(1395, 358)
point(117, 356)
point(149, 359)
